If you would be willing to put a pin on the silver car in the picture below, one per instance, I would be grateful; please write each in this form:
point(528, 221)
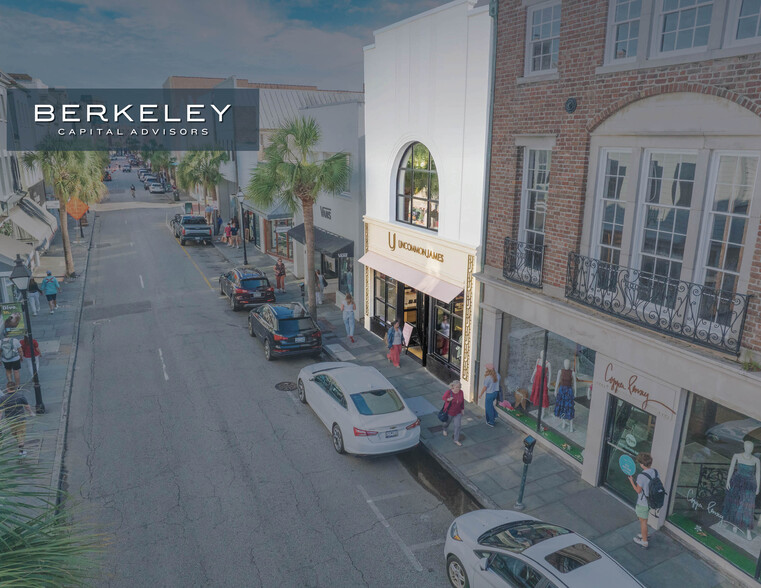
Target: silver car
point(491, 548)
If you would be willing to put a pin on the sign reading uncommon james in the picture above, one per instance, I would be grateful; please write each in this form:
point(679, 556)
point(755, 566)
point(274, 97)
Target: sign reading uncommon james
point(635, 388)
point(394, 243)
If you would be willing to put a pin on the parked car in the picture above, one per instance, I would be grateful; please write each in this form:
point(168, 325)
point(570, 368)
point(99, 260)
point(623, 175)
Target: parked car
point(246, 287)
point(126, 168)
point(362, 410)
point(155, 188)
point(106, 177)
point(729, 437)
point(285, 329)
point(192, 228)
point(508, 548)
point(148, 180)
point(142, 172)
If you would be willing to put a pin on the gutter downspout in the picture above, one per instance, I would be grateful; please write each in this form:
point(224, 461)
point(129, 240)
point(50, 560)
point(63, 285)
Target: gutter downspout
point(493, 12)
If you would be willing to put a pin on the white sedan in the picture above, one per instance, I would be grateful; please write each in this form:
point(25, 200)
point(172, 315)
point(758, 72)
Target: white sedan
point(503, 548)
point(155, 188)
point(363, 412)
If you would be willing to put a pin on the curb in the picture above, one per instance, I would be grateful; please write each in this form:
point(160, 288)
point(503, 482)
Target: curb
point(56, 479)
point(478, 495)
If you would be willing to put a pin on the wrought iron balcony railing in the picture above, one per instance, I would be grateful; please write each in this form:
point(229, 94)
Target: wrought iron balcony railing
point(523, 263)
point(693, 312)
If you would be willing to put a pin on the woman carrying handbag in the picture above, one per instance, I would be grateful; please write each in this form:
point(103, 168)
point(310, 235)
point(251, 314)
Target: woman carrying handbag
point(453, 408)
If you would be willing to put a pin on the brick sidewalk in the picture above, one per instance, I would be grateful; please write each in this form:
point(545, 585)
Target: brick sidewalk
point(489, 462)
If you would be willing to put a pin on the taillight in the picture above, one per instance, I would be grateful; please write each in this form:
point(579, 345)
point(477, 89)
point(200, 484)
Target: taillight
point(183, 231)
point(270, 289)
point(240, 291)
point(413, 425)
point(277, 337)
point(363, 433)
point(317, 335)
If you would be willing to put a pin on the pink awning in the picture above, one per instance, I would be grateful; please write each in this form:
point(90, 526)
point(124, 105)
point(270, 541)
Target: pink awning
point(435, 287)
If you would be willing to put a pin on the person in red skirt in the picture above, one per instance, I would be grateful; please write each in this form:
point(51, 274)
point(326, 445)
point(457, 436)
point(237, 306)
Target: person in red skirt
point(537, 394)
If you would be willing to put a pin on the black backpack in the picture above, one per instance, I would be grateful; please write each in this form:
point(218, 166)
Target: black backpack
point(656, 494)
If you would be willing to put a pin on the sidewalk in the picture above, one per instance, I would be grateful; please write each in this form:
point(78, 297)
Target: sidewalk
point(489, 462)
point(57, 337)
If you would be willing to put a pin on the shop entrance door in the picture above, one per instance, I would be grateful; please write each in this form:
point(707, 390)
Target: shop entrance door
point(629, 432)
point(415, 312)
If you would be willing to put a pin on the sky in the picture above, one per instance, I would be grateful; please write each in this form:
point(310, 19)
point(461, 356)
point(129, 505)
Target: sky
point(139, 43)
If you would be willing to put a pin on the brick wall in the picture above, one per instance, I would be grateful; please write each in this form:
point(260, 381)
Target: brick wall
point(538, 108)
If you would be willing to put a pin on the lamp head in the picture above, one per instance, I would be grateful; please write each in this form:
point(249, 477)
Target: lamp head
point(20, 275)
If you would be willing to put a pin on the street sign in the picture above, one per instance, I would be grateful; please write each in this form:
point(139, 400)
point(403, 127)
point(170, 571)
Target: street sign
point(13, 319)
point(627, 465)
point(76, 208)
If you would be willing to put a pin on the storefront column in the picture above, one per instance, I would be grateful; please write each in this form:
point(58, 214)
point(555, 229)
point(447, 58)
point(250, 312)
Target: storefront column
point(491, 336)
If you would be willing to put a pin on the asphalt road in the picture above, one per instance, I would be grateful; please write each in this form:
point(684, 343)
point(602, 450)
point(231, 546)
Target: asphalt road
point(182, 451)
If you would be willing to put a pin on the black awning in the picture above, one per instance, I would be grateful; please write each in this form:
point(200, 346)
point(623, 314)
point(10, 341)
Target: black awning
point(325, 242)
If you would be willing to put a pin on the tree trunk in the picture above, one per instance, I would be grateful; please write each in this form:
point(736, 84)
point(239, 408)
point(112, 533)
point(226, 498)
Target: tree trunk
point(205, 193)
point(62, 216)
point(307, 206)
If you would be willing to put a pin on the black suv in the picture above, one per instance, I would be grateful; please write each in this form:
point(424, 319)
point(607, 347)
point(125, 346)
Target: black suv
point(285, 329)
point(246, 287)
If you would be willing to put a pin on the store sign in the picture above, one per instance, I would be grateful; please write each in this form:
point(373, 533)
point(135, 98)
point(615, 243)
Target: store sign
point(282, 229)
point(13, 319)
point(325, 212)
point(636, 388)
point(419, 248)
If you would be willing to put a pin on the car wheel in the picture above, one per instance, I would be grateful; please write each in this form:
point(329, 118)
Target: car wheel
point(221, 291)
point(456, 573)
point(182, 242)
point(302, 392)
point(338, 439)
point(251, 328)
point(267, 350)
point(233, 306)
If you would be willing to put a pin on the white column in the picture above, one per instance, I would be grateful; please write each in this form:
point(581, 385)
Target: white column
point(491, 338)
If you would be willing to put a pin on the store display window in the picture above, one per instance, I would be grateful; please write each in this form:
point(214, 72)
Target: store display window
point(346, 275)
point(279, 241)
point(385, 299)
point(564, 394)
point(447, 342)
point(715, 499)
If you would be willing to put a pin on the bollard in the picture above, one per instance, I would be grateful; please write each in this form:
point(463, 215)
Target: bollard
point(528, 454)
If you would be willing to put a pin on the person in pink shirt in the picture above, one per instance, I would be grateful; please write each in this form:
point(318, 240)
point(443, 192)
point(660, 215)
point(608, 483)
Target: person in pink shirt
point(455, 407)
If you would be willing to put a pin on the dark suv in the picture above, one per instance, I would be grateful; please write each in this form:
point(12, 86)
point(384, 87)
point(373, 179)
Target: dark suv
point(246, 287)
point(285, 329)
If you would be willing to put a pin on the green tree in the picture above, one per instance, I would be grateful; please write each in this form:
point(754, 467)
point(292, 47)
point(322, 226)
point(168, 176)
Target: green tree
point(161, 160)
point(292, 175)
point(72, 174)
point(200, 169)
point(40, 545)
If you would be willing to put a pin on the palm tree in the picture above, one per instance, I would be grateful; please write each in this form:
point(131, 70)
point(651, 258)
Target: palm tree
point(200, 169)
point(161, 159)
point(40, 545)
point(290, 174)
point(72, 174)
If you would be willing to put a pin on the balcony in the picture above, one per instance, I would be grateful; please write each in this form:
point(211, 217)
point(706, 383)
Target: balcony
point(523, 263)
point(692, 312)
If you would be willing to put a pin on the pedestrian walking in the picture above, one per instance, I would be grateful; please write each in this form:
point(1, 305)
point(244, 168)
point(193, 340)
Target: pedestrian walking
point(395, 339)
point(491, 389)
point(234, 234)
point(34, 296)
point(319, 286)
point(51, 288)
point(280, 275)
point(347, 308)
point(219, 224)
point(228, 232)
point(13, 404)
point(9, 354)
point(26, 354)
point(455, 400)
point(642, 488)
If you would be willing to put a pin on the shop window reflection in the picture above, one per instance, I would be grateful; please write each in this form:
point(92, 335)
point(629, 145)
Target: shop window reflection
point(448, 330)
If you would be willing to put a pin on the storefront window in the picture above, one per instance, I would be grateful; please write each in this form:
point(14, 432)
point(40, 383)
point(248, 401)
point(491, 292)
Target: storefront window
point(280, 243)
point(567, 388)
point(251, 227)
point(417, 193)
point(346, 275)
point(385, 299)
point(329, 269)
point(448, 327)
point(715, 500)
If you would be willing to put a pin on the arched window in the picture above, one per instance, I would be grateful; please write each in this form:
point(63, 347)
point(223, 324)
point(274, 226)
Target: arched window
point(417, 189)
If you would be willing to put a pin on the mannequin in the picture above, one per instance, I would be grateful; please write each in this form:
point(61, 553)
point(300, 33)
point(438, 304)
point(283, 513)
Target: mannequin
point(743, 484)
point(538, 395)
point(565, 395)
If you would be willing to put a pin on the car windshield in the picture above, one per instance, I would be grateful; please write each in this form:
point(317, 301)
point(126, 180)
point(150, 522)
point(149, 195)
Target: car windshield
point(572, 557)
point(194, 220)
point(295, 325)
point(375, 402)
point(521, 535)
point(253, 283)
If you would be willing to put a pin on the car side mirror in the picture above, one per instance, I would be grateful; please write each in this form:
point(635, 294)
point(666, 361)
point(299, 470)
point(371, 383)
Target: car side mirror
point(311, 379)
point(483, 563)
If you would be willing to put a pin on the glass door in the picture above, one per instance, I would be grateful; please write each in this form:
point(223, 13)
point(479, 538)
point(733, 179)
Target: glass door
point(629, 432)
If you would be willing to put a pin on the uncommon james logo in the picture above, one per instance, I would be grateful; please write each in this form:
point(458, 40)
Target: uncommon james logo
point(393, 243)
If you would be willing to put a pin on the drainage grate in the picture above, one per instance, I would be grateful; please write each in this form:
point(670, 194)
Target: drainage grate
point(286, 386)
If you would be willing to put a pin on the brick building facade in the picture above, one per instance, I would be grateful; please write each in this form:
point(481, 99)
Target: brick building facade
point(623, 236)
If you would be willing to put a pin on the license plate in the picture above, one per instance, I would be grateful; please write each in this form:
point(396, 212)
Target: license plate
point(392, 434)
point(300, 339)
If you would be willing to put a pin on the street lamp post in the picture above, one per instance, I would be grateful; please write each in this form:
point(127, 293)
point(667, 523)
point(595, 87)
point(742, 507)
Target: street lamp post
point(242, 225)
point(20, 277)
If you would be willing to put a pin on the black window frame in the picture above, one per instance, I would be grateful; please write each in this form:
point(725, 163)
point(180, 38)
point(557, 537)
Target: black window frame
point(427, 175)
point(447, 309)
point(383, 299)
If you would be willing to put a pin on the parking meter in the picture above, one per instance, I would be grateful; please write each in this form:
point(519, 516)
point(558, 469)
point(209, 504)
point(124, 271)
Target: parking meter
point(528, 449)
point(301, 287)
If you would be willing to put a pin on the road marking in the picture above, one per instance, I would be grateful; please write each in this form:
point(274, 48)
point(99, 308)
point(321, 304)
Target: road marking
point(141, 282)
point(388, 496)
point(394, 535)
point(163, 365)
point(427, 544)
point(205, 279)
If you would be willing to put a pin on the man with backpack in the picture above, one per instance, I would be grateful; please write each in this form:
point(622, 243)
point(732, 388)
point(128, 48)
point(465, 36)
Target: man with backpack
point(9, 353)
point(650, 494)
point(51, 288)
point(13, 405)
